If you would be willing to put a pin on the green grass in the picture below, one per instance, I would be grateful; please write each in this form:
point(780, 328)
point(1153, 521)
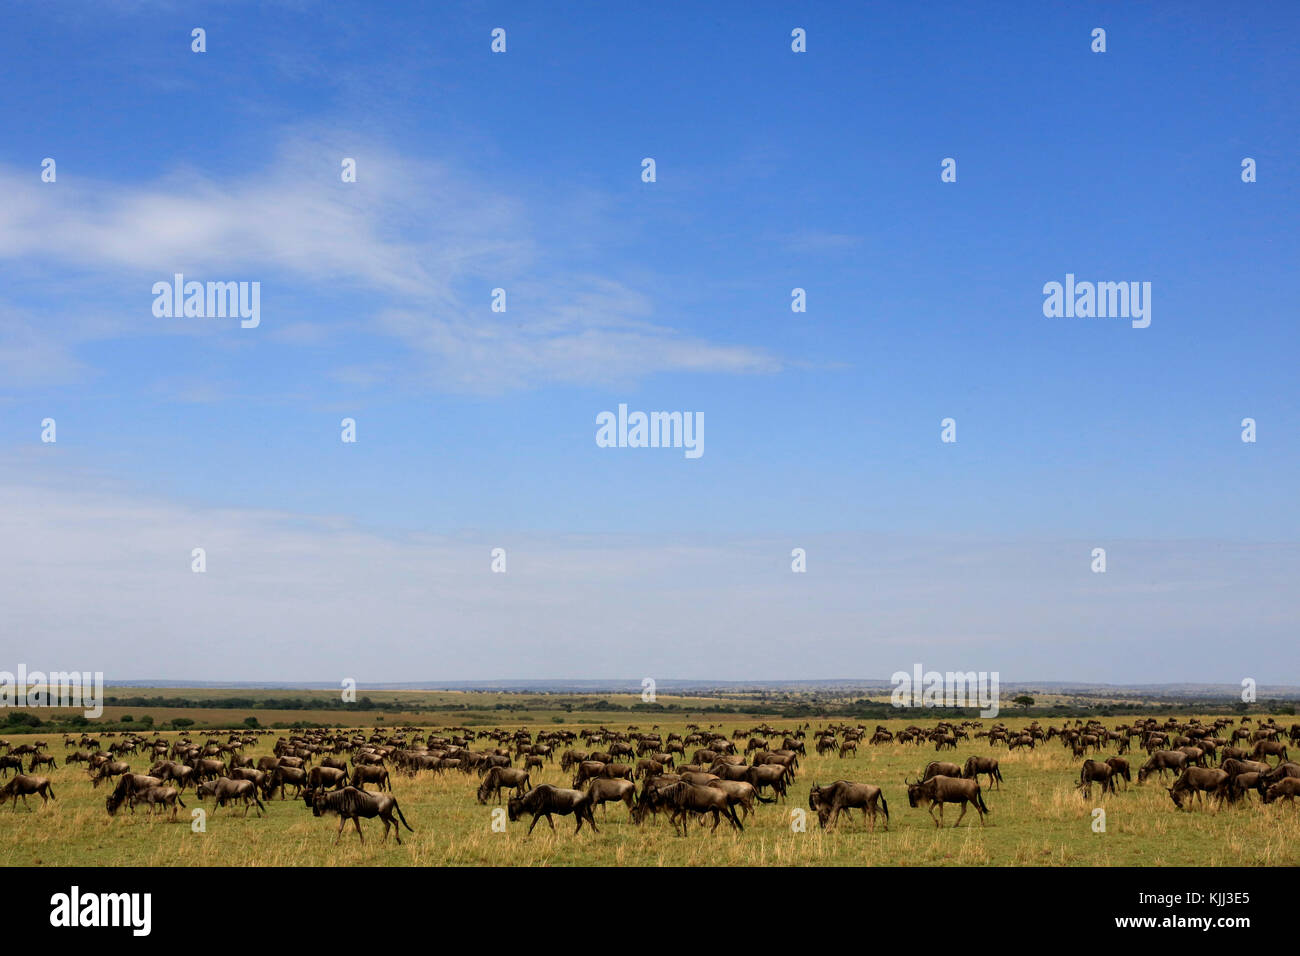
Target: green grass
point(1037, 818)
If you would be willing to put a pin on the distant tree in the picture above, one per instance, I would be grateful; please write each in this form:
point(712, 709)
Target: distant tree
point(147, 720)
point(127, 718)
point(251, 722)
point(179, 722)
point(1024, 702)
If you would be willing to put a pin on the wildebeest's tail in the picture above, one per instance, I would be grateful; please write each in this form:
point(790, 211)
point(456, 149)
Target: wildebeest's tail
point(180, 801)
point(763, 799)
point(884, 805)
point(979, 801)
point(400, 817)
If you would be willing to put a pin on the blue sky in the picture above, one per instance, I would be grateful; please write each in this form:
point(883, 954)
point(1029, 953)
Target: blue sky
point(476, 429)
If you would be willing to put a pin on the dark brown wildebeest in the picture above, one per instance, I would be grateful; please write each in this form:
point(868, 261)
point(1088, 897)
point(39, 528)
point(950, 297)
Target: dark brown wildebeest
point(294, 777)
point(8, 762)
point(326, 778)
point(127, 787)
point(1118, 769)
point(1197, 781)
point(108, 770)
point(1241, 784)
point(978, 765)
point(353, 804)
point(40, 760)
point(499, 778)
point(1162, 760)
point(775, 776)
point(588, 770)
point(1265, 748)
point(156, 797)
point(940, 768)
point(370, 773)
point(22, 785)
point(940, 790)
point(847, 748)
point(1281, 771)
point(844, 795)
point(686, 798)
point(546, 800)
point(607, 790)
point(1095, 771)
point(208, 768)
point(224, 789)
point(740, 793)
point(1288, 788)
point(648, 767)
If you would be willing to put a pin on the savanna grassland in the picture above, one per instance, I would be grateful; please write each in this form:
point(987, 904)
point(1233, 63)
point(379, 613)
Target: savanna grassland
point(1037, 818)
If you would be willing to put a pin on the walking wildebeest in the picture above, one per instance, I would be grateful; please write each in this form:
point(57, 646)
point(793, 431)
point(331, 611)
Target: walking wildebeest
point(978, 765)
point(353, 804)
point(940, 790)
point(223, 788)
point(546, 799)
point(1095, 770)
point(843, 795)
point(687, 798)
point(22, 785)
point(607, 790)
point(370, 772)
point(1118, 769)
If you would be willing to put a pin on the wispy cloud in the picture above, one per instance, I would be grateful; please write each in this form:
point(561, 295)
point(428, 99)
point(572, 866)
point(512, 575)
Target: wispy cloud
point(421, 243)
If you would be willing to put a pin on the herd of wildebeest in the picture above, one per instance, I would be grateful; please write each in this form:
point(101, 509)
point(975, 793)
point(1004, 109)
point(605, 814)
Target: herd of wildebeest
point(699, 775)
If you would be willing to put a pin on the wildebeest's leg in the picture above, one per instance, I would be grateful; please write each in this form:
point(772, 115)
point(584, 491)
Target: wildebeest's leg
point(960, 815)
point(342, 823)
point(356, 822)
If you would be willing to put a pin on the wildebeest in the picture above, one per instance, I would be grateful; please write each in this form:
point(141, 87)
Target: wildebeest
point(153, 796)
point(1163, 760)
point(22, 785)
point(546, 800)
point(978, 765)
point(740, 793)
point(224, 789)
point(370, 772)
point(940, 768)
point(1197, 781)
point(108, 770)
point(323, 777)
point(502, 777)
point(1098, 772)
point(606, 790)
point(40, 760)
point(8, 762)
point(1288, 788)
point(353, 804)
point(1118, 769)
point(940, 790)
point(686, 798)
point(1271, 748)
point(843, 795)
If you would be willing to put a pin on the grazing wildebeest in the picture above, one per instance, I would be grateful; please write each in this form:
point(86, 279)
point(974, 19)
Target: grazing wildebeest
point(1197, 781)
point(284, 776)
point(1162, 760)
point(1095, 771)
point(546, 800)
point(223, 788)
point(686, 798)
point(41, 759)
point(22, 785)
point(940, 790)
point(127, 787)
point(108, 770)
point(502, 777)
point(153, 795)
point(8, 762)
point(353, 804)
point(370, 772)
point(1118, 769)
point(843, 795)
point(978, 765)
point(1288, 788)
point(1243, 783)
